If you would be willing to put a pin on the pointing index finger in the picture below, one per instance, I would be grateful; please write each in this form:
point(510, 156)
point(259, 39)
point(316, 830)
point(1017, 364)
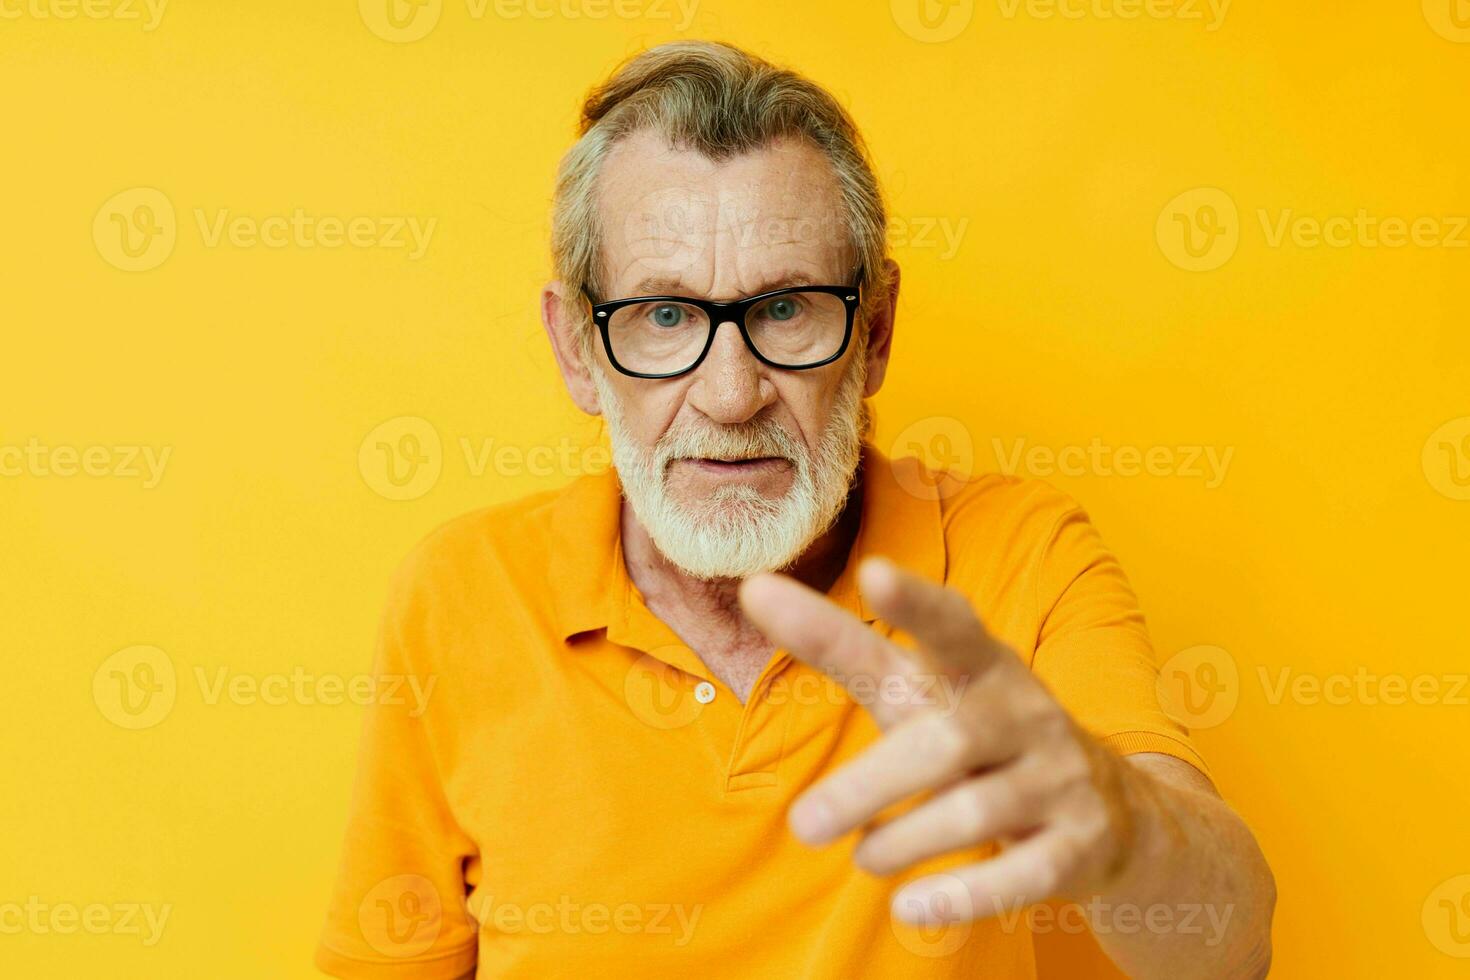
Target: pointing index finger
point(819, 633)
point(938, 617)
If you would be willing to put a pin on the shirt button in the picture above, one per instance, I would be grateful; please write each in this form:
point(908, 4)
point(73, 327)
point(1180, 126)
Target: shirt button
point(704, 693)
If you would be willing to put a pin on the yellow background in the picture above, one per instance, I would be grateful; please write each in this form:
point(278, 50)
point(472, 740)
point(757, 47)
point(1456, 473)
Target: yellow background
point(1051, 145)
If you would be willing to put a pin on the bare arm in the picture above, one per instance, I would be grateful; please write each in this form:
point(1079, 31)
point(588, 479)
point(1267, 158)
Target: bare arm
point(1196, 868)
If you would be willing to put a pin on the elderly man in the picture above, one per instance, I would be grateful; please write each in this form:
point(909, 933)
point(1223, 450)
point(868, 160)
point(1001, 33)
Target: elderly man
point(748, 705)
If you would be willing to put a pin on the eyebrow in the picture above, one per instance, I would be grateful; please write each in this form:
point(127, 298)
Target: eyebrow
point(674, 286)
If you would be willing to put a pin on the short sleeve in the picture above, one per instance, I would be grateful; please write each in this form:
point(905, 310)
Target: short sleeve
point(1093, 649)
point(398, 906)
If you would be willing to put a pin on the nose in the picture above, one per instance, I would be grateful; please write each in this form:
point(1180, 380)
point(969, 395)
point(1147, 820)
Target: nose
point(728, 385)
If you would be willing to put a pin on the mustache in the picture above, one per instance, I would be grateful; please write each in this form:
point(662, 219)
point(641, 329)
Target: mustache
point(753, 439)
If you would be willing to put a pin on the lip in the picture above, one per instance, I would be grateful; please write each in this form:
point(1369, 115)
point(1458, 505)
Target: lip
point(737, 467)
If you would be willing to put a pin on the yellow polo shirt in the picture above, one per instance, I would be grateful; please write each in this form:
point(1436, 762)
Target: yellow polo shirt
point(580, 796)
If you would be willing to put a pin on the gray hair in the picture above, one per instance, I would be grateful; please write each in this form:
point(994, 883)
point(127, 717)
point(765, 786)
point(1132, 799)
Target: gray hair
point(721, 101)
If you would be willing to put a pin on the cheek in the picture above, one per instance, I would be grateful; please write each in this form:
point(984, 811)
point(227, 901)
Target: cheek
point(649, 407)
point(808, 399)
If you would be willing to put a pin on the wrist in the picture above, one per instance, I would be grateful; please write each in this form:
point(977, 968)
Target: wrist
point(1149, 831)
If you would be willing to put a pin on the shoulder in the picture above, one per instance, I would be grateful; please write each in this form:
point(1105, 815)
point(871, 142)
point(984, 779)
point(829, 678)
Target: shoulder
point(1009, 517)
point(1010, 543)
point(991, 499)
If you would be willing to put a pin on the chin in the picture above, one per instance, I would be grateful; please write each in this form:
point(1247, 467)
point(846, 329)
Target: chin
point(732, 534)
point(732, 503)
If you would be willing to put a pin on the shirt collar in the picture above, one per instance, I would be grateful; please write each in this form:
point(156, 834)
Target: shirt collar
point(590, 583)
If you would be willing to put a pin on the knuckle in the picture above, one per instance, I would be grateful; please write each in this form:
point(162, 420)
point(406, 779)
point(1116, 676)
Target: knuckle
point(1072, 767)
point(951, 744)
point(1050, 720)
point(1050, 875)
point(874, 853)
point(1057, 867)
point(1033, 708)
point(1012, 798)
point(956, 606)
point(958, 615)
point(1096, 829)
point(842, 796)
point(974, 814)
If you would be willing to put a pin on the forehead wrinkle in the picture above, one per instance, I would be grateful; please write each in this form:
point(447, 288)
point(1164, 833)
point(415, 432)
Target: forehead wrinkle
point(751, 228)
point(659, 284)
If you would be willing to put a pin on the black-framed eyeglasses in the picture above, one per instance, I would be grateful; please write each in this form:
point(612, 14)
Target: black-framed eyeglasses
point(794, 329)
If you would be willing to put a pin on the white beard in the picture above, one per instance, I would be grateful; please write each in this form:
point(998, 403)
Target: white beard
point(737, 531)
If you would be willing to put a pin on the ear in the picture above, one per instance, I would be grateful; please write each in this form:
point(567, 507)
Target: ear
point(880, 332)
point(559, 315)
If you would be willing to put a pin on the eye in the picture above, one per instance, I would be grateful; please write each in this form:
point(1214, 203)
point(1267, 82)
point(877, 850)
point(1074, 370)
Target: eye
point(783, 308)
point(666, 315)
